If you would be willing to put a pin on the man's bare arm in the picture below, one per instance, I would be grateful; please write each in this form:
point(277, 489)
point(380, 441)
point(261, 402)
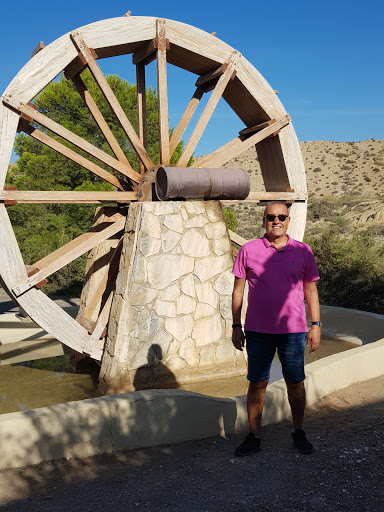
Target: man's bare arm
point(312, 298)
point(237, 302)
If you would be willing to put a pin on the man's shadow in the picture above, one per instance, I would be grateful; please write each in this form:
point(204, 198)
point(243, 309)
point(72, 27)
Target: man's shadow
point(155, 374)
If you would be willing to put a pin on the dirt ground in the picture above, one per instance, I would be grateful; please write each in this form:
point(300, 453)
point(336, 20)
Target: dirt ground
point(345, 473)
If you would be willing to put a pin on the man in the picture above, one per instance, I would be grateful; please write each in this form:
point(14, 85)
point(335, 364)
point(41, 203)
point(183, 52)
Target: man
point(281, 272)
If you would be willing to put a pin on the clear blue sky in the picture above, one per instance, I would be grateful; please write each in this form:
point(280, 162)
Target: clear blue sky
point(326, 58)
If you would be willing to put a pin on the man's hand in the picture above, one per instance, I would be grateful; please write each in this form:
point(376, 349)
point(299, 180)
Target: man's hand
point(313, 338)
point(238, 338)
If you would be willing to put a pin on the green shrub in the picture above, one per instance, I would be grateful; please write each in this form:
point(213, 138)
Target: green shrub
point(230, 219)
point(351, 270)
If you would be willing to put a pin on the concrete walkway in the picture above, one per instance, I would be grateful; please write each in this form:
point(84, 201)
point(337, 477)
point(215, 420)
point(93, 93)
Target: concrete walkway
point(343, 474)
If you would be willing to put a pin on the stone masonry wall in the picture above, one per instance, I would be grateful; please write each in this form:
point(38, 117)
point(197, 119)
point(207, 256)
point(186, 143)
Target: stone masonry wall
point(171, 316)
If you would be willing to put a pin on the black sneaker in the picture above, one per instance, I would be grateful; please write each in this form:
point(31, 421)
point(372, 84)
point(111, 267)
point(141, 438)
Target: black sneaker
point(301, 442)
point(251, 444)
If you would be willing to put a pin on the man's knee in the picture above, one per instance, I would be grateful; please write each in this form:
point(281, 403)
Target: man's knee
point(257, 387)
point(295, 389)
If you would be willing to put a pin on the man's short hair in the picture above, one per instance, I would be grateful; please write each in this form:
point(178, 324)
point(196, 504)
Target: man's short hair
point(275, 202)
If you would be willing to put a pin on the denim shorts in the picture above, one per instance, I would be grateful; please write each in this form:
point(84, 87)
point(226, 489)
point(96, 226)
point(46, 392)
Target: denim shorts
point(261, 348)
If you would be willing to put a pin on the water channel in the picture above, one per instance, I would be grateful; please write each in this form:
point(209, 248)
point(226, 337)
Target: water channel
point(46, 382)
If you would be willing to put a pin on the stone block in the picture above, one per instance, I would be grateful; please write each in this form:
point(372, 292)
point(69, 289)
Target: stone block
point(163, 308)
point(216, 230)
point(174, 363)
point(163, 269)
point(198, 221)
point(180, 327)
point(150, 327)
point(185, 305)
point(169, 239)
point(210, 267)
point(195, 244)
point(150, 225)
point(207, 355)
point(224, 283)
point(226, 306)
point(214, 211)
point(207, 330)
point(149, 246)
point(220, 246)
point(161, 342)
point(188, 352)
point(225, 350)
point(174, 222)
point(140, 295)
point(203, 310)
point(194, 207)
point(206, 294)
point(166, 208)
point(170, 293)
point(188, 285)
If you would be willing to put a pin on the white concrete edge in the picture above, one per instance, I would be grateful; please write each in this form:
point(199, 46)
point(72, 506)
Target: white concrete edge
point(150, 418)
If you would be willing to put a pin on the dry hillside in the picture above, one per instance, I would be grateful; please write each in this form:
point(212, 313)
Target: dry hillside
point(345, 184)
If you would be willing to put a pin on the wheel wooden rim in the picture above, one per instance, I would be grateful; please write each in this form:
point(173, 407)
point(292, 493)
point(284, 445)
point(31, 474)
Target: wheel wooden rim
point(220, 69)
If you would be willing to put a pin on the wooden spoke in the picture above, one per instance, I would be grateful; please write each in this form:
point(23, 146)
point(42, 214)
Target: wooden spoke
point(185, 119)
point(68, 153)
point(107, 283)
point(208, 111)
point(111, 99)
point(69, 252)
point(237, 146)
point(92, 346)
point(257, 197)
point(239, 240)
point(162, 95)
point(99, 119)
point(77, 197)
point(141, 108)
point(79, 142)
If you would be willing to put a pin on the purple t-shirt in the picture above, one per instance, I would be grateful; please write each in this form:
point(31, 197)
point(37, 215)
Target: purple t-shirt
point(275, 279)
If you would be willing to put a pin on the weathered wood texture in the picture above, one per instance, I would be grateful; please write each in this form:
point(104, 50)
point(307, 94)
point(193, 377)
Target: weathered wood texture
point(76, 197)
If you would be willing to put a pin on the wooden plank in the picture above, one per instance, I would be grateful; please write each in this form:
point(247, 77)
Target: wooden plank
point(102, 321)
point(257, 197)
point(141, 108)
point(69, 252)
point(109, 277)
point(75, 67)
point(257, 128)
point(68, 153)
point(76, 197)
point(237, 146)
point(40, 45)
point(208, 111)
point(79, 142)
point(162, 94)
point(212, 75)
point(112, 100)
point(239, 240)
point(99, 119)
point(146, 53)
point(185, 119)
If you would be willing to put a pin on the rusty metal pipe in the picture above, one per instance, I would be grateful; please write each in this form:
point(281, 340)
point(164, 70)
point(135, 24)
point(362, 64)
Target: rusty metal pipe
point(200, 184)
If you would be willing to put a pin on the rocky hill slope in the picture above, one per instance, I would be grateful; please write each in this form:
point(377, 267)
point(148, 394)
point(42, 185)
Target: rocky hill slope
point(345, 183)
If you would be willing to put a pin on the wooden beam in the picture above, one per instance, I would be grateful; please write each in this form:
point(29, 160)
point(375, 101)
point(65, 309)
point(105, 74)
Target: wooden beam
point(75, 67)
point(99, 119)
point(107, 283)
point(162, 94)
point(185, 119)
point(69, 252)
point(141, 108)
point(212, 75)
point(146, 53)
point(68, 153)
point(38, 48)
point(208, 111)
point(99, 329)
point(111, 99)
point(75, 197)
point(255, 129)
point(237, 146)
point(79, 142)
point(239, 240)
point(258, 197)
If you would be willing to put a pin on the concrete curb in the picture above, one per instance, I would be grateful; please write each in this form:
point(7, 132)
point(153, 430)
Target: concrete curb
point(149, 418)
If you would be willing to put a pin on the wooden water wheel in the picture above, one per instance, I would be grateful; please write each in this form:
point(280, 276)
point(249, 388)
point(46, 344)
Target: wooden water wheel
point(221, 71)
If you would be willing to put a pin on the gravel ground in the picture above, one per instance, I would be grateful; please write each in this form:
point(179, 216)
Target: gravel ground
point(345, 473)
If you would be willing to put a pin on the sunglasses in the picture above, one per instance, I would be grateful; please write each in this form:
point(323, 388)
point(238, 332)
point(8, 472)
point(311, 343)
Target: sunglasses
point(271, 218)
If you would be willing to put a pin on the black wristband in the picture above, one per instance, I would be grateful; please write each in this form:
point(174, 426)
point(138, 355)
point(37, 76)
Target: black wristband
point(236, 325)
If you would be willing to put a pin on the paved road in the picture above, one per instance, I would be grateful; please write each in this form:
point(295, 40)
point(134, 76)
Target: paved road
point(344, 474)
